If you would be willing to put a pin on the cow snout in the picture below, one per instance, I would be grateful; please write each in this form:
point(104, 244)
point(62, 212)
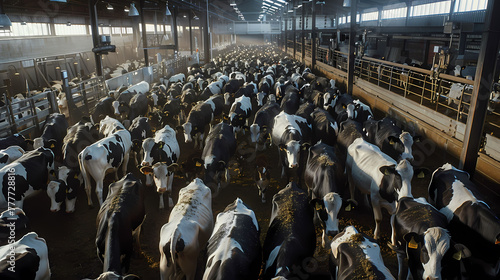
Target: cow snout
point(294, 165)
point(70, 211)
point(144, 163)
point(161, 190)
point(54, 210)
point(431, 278)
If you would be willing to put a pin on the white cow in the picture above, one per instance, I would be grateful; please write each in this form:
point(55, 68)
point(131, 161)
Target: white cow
point(31, 258)
point(109, 126)
point(378, 175)
point(188, 229)
point(10, 154)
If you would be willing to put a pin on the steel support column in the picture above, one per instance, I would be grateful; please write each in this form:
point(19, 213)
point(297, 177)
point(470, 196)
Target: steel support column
point(206, 36)
point(285, 19)
point(175, 12)
point(352, 47)
point(95, 35)
point(482, 88)
point(294, 28)
point(313, 35)
point(144, 34)
point(302, 37)
point(190, 35)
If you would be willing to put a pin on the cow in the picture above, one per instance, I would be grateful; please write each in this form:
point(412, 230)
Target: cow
point(234, 250)
point(118, 222)
point(200, 116)
point(378, 175)
point(110, 275)
point(471, 221)
point(140, 129)
point(30, 256)
point(240, 112)
point(289, 134)
point(324, 127)
point(192, 168)
point(53, 134)
point(105, 154)
point(358, 111)
point(391, 139)
point(357, 256)
point(262, 175)
point(160, 158)
point(324, 178)
point(138, 106)
point(216, 102)
point(12, 219)
point(102, 109)
point(349, 131)
point(262, 125)
point(220, 146)
point(15, 140)
point(419, 235)
point(10, 154)
point(69, 180)
point(189, 227)
point(28, 174)
point(108, 126)
point(291, 237)
point(212, 89)
point(180, 77)
point(232, 86)
point(341, 103)
point(291, 101)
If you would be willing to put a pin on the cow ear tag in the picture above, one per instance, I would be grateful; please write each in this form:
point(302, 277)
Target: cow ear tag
point(318, 207)
point(52, 146)
point(391, 142)
point(348, 208)
point(161, 146)
point(457, 256)
point(76, 176)
point(386, 172)
point(412, 244)
point(497, 242)
point(67, 191)
point(421, 175)
point(198, 164)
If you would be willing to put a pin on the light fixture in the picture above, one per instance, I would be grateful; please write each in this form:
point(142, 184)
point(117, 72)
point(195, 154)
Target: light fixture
point(109, 7)
point(68, 23)
point(232, 3)
point(4, 19)
point(61, 1)
point(133, 12)
point(184, 16)
point(167, 11)
point(126, 9)
point(16, 73)
point(195, 17)
point(23, 23)
point(346, 3)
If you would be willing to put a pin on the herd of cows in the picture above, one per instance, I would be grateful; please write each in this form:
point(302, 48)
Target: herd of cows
point(332, 152)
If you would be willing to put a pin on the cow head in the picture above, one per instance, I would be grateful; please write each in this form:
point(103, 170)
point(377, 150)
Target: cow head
point(260, 98)
point(64, 189)
point(214, 173)
point(227, 98)
point(407, 141)
point(262, 180)
point(187, 127)
point(154, 98)
point(327, 210)
point(163, 175)
point(15, 215)
point(426, 251)
point(292, 150)
point(255, 132)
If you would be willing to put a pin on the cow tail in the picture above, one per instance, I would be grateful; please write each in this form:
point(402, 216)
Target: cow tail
point(173, 248)
point(81, 160)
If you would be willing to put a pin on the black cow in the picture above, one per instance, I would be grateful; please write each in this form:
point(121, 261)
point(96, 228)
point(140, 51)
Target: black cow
point(140, 129)
point(291, 101)
point(324, 178)
point(102, 109)
point(234, 250)
point(171, 112)
point(472, 222)
point(263, 123)
point(262, 175)
point(219, 148)
point(232, 86)
point(53, 134)
point(15, 140)
point(291, 237)
point(324, 127)
point(200, 116)
point(119, 221)
point(305, 110)
point(240, 112)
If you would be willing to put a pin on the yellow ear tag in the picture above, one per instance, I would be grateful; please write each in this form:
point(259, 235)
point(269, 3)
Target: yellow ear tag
point(497, 242)
point(457, 256)
point(348, 208)
point(344, 107)
point(421, 175)
point(391, 142)
point(67, 191)
point(52, 146)
point(330, 237)
point(161, 146)
point(198, 164)
point(318, 207)
point(412, 244)
point(386, 172)
point(76, 176)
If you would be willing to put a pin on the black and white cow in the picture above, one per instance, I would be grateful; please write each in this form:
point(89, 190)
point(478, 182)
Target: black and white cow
point(472, 222)
point(391, 139)
point(15, 140)
point(200, 116)
point(102, 109)
point(289, 133)
point(12, 219)
point(119, 222)
point(240, 112)
point(108, 126)
point(232, 86)
point(27, 258)
point(10, 154)
point(291, 237)
point(110, 275)
point(359, 111)
point(216, 102)
point(291, 101)
point(234, 250)
point(220, 146)
point(28, 174)
point(377, 175)
point(212, 89)
point(324, 178)
point(263, 123)
point(262, 175)
point(69, 180)
point(53, 134)
point(160, 157)
point(138, 106)
point(96, 159)
point(189, 227)
point(419, 237)
point(324, 127)
point(357, 256)
point(140, 129)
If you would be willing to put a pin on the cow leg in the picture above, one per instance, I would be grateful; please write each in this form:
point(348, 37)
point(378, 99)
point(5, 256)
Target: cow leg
point(352, 187)
point(99, 187)
point(137, 234)
point(162, 204)
point(377, 213)
point(125, 163)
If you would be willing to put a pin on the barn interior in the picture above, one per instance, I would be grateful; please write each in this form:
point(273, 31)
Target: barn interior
point(432, 66)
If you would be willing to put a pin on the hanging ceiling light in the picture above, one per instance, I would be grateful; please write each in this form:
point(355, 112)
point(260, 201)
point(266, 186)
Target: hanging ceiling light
point(109, 7)
point(126, 9)
point(4, 19)
point(167, 11)
point(232, 3)
point(61, 1)
point(133, 12)
point(195, 17)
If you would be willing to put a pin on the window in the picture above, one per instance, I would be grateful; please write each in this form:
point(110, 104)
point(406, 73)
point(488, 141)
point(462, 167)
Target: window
point(28, 29)
point(74, 29)
point(435, 8)
point(369, 16)
point(349, 18)
point(394, 13)
point(470, 5)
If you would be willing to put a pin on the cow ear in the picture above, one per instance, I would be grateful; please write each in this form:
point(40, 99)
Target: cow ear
point(282, 147)
point(305, 146)
point(161, 144)
point(421, 173)
point(222, 164)
point(173, 167)
point(461, 251)
point(392, 140)
point(317, 204)
point(413, 240)
point(146, 170)
point(417, 139)
point(387, 169)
